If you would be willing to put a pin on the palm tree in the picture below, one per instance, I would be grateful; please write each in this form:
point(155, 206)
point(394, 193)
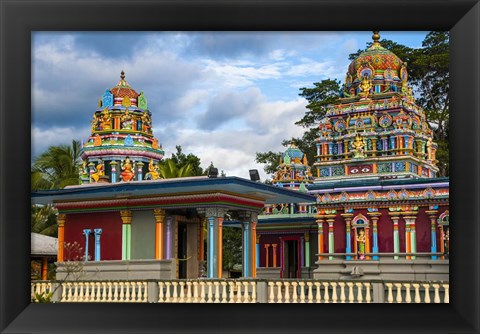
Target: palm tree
point(44, 220)
point(57, 167)
point(169, 170)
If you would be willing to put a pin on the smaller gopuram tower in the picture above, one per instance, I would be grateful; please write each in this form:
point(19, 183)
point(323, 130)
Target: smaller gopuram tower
point(121, 147)
point(375, 129)
point(293, 170)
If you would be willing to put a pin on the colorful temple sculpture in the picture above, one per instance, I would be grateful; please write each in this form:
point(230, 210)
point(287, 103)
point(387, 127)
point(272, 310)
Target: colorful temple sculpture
point(381, 210)
point(129, 223)
point(121, 147)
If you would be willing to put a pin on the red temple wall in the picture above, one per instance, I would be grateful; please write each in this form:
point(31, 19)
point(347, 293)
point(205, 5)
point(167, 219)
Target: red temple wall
point(110, 239)
point(269, 239)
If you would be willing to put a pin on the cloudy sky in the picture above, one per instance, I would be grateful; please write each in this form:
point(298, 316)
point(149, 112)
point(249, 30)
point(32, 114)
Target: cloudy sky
point(220, 95)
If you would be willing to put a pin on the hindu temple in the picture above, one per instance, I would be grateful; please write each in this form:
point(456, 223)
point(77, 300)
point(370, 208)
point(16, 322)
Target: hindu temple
point(371, 205)
point(381, 210)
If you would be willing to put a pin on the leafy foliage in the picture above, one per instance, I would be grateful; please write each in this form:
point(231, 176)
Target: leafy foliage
point(181, 159)
point(232, 247)
point(57, 167)
point(44, 220)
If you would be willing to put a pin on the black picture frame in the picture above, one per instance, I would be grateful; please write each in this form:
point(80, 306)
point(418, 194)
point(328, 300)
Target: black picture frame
point(19, 18)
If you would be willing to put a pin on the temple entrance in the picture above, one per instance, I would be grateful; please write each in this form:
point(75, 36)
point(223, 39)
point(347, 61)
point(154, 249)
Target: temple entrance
point(291, 263)
point(182, 250)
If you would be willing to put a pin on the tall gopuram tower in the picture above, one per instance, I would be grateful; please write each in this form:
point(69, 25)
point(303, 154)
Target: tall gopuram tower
point(121, 147)
point(375, 129)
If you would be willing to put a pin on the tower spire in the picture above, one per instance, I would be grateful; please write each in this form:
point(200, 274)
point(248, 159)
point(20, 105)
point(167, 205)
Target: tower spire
point(376, 37)
point(122, 75)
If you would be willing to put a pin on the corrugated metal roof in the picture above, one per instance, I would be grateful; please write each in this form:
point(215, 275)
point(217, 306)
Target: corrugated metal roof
point(43, 245)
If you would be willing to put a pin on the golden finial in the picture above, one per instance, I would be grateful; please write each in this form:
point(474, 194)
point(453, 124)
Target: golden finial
point(375, 37)
point(122, 75)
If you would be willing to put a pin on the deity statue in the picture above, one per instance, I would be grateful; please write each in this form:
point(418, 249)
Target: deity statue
point(146, 123)
point(127, 168)
point(99, 171)
point(305, 161)
point(82, 170)
point(430, 155)
point(361, 240)
point(96, 122)
point(446, 242)
point(152, 171)
point(365, 87)
point(358, 147)
point(106, 120)
point(286, 160)
point(127, 122)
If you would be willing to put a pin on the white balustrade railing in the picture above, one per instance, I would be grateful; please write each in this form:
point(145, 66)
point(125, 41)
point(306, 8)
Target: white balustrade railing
point(310, 291)
point(207, 291)
point(417, 292)
point(105, 292)
point(243, 291)
point(41, 288)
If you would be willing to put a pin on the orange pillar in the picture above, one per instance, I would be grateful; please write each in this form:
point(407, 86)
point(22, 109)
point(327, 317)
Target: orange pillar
point(367, 242)
point(201, 255)
point(266, 254)
point(274, 255)
point(320, 238)
point(254, 249)
point(61, 218)
point(159, 221)
point(44, 268)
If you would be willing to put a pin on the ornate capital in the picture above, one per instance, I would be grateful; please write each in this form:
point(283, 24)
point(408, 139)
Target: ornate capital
point(254, 217)
point(159, 215)
point(307, 237)
point(61, 218)
point(126, 216)
point(258, 239)
point(216, 212)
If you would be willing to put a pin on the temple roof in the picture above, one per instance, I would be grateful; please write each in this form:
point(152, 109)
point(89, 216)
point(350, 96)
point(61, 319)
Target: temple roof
point(123, 89)
point(376, 56)
point(191, 185)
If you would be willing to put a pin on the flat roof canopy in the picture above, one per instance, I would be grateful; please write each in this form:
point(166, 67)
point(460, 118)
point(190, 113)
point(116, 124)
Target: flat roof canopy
point(169, 189)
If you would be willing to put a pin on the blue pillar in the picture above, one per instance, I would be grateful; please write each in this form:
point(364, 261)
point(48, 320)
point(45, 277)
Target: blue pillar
point(246, 250)
point(392, 142)
point(257, 253)
point(86, 232)
point(211, 247)
point(98, 232)
point(434, 244)
point(375, 244)
point(405, 141)
point(113, 174)
point(348, 248)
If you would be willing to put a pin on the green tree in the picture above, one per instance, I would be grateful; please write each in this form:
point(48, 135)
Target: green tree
point(181, 159)
point(323, 94)
point(44, 220)
point(270, 160)
point(168, 169)
point(232, 247)
point(57, 167)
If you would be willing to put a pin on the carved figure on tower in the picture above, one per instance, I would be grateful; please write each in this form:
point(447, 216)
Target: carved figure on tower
point(365, 87)
point(127, 171)
point(127, 121)
point(99, 171)
point(152, 171)
point(358, 147)
point(106, 120)
point(361, 240)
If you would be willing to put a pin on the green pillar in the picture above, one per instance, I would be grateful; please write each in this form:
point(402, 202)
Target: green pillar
point(331, 246)
point(396, 237)
point(126, 234)
point(307, 250)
